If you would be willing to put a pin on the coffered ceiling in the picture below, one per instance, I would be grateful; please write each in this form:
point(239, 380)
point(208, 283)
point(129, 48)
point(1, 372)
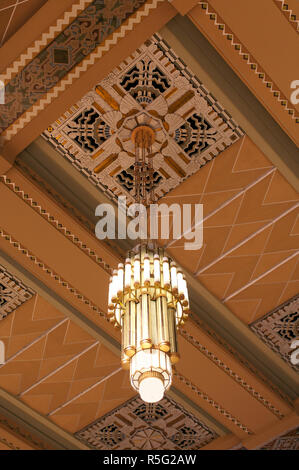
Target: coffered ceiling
point(217, 93)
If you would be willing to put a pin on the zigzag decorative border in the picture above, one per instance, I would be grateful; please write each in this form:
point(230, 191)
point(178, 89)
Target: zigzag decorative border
point(291, 17)
point(212, 402)
point(112, 40)
point(231, 373)
point(45, 39)
point(59, 226)
point(251, 62)
point(7, 237)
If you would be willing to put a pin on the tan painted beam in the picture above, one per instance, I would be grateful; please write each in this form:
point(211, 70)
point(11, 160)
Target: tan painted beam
point(267, 435)
point(38, 424)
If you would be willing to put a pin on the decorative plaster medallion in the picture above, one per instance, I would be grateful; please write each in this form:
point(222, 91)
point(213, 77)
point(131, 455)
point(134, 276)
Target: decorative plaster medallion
point(13, 292)
point(279, 328)
point(152, 87)
point(138, 425)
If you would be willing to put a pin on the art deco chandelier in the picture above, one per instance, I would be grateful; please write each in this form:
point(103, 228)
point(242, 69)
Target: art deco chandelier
point(148, 296)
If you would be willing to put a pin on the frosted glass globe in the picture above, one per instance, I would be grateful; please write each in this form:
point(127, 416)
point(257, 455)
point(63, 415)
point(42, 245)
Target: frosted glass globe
point(151, 389)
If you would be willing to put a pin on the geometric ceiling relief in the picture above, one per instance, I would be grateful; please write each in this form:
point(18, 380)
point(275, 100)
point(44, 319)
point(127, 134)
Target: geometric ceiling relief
point(289, 441)
point(152, 87)
point(13, 292)
point(279, 328)
point(137, 425)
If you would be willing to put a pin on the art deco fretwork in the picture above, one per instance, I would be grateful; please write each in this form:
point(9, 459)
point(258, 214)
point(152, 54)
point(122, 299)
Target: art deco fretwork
point(138, 425)
point(279, 328)
point(289, 441)
point(13, 292)
point(152, 87)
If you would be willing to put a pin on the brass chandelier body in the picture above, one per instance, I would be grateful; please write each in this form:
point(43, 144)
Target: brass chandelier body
point(148, 296)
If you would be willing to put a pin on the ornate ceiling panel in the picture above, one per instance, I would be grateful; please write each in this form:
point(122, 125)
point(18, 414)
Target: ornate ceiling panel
point(279, 328)
point(13, 292)
point(289, 441)
point(142, 426)
point(154, 87)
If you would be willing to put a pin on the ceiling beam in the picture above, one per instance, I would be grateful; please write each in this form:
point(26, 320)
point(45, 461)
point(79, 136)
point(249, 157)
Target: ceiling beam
point(205, 62)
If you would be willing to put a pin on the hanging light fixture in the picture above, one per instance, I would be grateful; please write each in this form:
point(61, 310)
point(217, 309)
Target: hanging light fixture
point(148, 296)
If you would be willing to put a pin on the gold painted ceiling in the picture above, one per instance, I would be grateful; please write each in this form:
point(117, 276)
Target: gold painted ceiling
point(78, 77)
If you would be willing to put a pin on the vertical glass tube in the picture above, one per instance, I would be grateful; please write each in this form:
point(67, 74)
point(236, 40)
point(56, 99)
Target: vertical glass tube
point(114, 286)
point(128, 349)
point(153, 322)
point(164, 345)
point(146, 270)
point(180, 285)
point(162, 324)
point(138, 325)
point(132, 333)
point(186, 296)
